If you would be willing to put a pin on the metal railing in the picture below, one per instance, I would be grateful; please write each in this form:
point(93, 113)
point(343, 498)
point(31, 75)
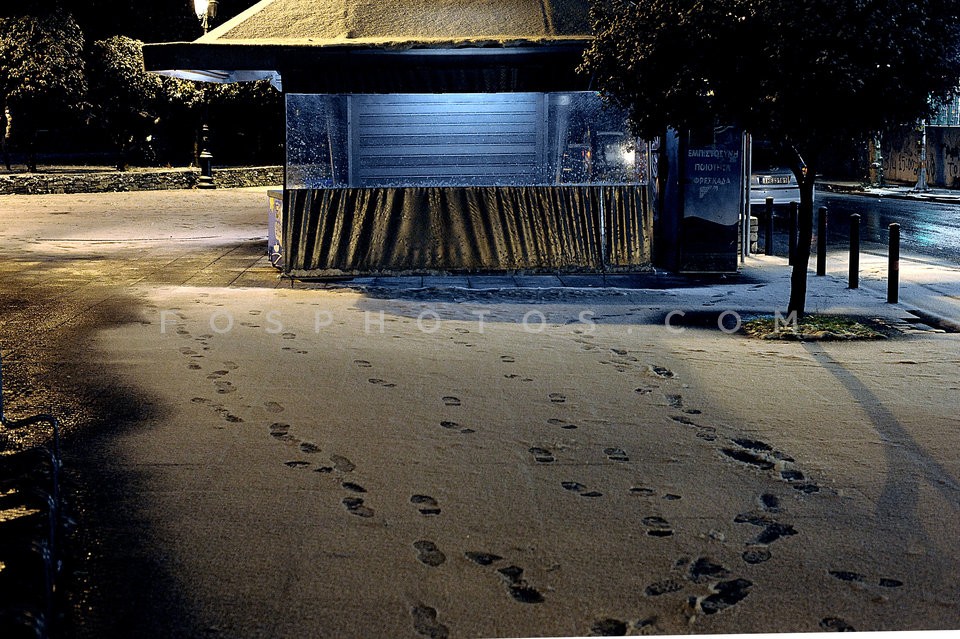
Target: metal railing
point(31, 526)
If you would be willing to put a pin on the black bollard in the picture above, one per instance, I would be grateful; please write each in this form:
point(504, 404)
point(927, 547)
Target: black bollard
point(206, 160)
point(893, 276)
point(768, 232)
point(792, 249)
point(854, 281)
point(822, 241)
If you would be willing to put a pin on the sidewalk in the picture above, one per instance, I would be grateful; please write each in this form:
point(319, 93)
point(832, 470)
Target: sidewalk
point(929, 292)
point(949, 196)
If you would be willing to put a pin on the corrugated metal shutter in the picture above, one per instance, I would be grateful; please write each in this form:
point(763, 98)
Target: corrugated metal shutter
point(447, 139)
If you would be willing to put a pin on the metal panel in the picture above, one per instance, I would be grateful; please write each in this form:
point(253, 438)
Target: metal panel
point(447, 139)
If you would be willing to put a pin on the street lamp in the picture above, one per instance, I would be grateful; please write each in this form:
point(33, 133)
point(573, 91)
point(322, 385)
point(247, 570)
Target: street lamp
point(205, 10)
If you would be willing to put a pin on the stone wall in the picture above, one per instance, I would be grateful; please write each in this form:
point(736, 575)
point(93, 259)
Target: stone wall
point(87, 181)
point(236, 177)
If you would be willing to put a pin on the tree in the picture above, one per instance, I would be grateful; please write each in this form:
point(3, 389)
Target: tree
point(123, 96)
point(132, 105)
point(805, 74)
point(150, 21)
point(41, 71)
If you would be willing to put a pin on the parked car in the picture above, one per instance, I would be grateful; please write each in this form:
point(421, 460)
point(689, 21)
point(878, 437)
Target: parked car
point(769, 178)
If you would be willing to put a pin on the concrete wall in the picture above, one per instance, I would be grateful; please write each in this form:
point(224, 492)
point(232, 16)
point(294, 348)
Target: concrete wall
point(136, 180)
point(901, 157)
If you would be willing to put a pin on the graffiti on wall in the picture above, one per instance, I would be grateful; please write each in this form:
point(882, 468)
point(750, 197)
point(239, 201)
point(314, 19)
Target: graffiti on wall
point(901, 155)
point(951, 161)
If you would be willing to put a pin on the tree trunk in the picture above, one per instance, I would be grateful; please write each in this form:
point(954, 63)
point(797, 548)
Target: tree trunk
point(122, 154)
point(6, 138)
point(28, 137)
point(798, 278)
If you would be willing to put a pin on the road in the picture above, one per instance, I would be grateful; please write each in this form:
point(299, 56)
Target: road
point(927, 229)
point(930, 229)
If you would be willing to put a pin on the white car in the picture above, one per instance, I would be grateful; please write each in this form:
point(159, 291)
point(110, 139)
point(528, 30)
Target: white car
point(780, 184)
point(768, 178)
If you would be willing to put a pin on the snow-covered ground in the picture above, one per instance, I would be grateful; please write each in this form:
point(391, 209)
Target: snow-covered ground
point(255, 458)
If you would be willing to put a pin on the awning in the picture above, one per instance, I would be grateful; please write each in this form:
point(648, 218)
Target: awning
point(369, 46)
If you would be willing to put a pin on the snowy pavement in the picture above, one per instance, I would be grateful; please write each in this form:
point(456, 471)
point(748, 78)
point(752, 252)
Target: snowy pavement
point(470, 458)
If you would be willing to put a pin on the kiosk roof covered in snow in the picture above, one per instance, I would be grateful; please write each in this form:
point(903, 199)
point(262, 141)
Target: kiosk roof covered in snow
point(387, 46)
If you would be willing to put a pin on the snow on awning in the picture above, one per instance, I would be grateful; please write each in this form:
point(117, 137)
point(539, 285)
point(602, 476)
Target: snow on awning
point(403, 45)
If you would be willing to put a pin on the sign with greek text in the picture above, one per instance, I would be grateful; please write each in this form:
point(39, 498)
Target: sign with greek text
point(712, 189)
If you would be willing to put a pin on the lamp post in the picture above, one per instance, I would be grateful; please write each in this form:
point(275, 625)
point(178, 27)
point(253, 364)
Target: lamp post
point(205, 10)
point(877, 164)
point(922, 171)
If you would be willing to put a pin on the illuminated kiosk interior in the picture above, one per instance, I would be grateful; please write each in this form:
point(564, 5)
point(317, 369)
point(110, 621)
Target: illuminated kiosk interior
point(437, 136)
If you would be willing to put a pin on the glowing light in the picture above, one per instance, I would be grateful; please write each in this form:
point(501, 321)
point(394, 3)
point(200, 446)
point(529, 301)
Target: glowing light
point(205, 10)
point(17, 512)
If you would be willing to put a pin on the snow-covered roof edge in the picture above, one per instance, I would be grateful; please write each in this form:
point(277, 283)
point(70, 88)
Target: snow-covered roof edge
point(430, 59)
point(215, 34)
point(394, 22)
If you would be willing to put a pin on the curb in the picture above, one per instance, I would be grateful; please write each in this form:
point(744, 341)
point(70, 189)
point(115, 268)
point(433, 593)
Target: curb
point(896, 193)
